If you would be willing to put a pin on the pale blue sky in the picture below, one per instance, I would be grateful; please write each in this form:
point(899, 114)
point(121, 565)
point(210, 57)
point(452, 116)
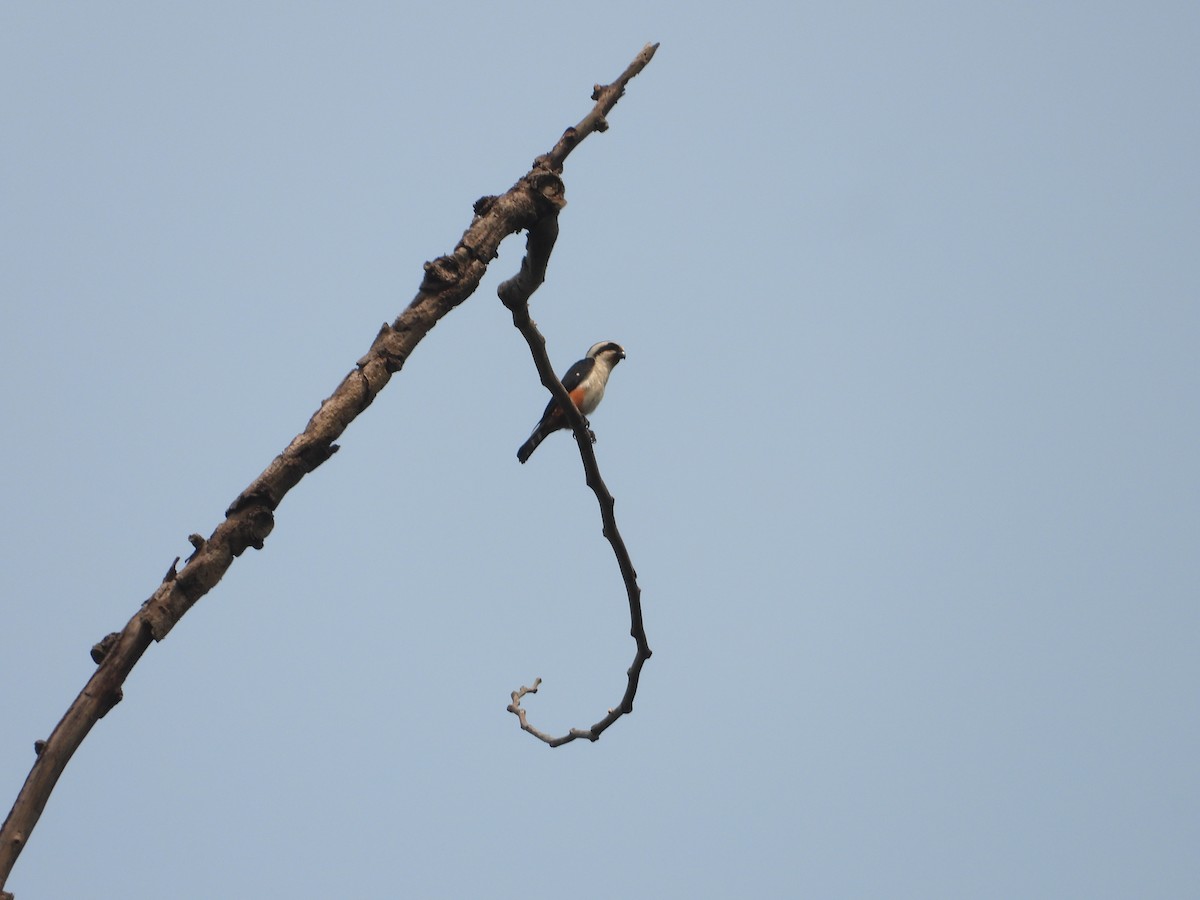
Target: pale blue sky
point(905, 450)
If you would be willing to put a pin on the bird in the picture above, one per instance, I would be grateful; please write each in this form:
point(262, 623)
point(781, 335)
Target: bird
point(585, 382)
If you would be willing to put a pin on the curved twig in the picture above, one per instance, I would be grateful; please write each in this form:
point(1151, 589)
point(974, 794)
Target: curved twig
point(515, 295)
point(448, 281)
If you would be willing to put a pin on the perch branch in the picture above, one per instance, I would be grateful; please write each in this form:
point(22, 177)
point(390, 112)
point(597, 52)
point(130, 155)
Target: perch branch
point(448, 281)
point(515, 294)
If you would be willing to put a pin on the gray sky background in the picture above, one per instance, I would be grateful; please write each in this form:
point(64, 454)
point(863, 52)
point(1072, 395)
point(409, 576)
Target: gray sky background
point(905, 449)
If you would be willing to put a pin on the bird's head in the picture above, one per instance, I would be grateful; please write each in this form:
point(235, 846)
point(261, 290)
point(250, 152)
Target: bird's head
point(608, 352)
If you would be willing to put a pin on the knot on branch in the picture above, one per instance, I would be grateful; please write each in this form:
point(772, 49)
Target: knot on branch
point(312, 455)
point(386, 347)
point(549, 191)
point(251, 529)
point(258, 494)
point(440, 273)
point(109, 700)
point(484, 205)
point(198, 543)
point(101, 648)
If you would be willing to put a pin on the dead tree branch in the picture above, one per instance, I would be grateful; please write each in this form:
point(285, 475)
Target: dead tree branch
point(583, 437)
point(448, 281)
point(515, 294)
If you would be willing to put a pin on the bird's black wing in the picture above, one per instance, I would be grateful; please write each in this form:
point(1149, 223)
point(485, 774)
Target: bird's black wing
point(578, 372)
point(572, 380)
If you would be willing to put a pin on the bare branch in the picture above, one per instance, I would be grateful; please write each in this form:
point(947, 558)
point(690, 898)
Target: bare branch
point(519, 306)
point(515, 294)
point(532, 203)
point(606, 97)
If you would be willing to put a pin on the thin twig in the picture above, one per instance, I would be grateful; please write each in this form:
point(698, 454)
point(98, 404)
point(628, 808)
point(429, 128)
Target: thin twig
point(537, 347)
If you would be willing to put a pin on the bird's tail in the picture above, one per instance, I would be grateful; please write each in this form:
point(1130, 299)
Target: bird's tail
point(530, 445)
